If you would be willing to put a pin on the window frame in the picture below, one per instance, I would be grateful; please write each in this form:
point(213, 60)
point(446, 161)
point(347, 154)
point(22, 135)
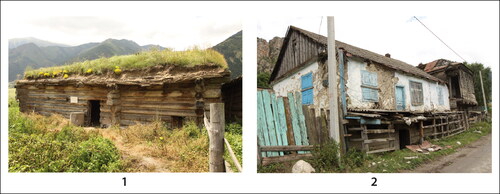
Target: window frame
point(306, 89)
point(369, 86)
point(413, 98)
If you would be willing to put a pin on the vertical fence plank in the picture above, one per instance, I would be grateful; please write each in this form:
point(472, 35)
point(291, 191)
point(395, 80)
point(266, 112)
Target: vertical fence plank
point(310, 124)
point(274, 106)
point(302, 120)
point(289, 128)
point(295, 120)
point(262, 125)
point(266, 97)
point(282, 121)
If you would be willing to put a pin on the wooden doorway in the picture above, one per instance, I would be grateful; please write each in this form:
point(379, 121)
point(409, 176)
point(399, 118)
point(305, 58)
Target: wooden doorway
point(95, 112)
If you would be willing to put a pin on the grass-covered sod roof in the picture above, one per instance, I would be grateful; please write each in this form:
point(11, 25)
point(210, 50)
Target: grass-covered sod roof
point(137, 61)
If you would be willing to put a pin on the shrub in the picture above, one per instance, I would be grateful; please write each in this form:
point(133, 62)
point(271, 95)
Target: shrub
point(95, 155)
point(326, 157)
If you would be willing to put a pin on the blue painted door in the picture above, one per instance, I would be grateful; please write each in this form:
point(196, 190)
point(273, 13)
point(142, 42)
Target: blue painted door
point(400, 98)
point(307, 88)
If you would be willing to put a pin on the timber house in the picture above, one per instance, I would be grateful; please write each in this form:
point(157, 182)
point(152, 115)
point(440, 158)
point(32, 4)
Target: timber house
point(384, 103)
point(130, 93)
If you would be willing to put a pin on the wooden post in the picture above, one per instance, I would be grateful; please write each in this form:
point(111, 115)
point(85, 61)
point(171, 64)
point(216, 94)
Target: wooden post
point(434, 128)
point(215, 128)
point(421, 132)
point(482, 89)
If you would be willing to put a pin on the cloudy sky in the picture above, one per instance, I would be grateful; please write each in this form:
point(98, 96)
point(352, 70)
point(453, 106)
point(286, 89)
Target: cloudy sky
point(473, 35)
point(173, 32)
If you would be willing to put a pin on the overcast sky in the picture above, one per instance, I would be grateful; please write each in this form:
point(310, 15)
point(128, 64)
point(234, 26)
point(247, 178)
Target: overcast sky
point(473, 35)
point(178, 33)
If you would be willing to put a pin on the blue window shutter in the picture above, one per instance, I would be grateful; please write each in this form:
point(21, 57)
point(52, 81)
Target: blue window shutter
point(373, 79)
point(307, 88)
point(365, 77)
point(307, 81)
point(307, 96)
point(370, 94)
point(369, 78)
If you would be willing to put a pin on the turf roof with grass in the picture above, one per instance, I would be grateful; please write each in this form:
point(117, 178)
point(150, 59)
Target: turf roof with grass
point(142, 60)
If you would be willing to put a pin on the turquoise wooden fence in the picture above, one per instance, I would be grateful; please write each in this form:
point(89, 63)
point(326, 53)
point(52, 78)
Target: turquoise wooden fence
point(271, 120)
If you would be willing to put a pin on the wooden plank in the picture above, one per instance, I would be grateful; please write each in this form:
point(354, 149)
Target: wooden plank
point(282, 121)
point(295, 120)
point(373, 131)
point(291, 157)
point(288, 117)
point(274, 106)
point(379, 140)
point(355, 129)
point(287, 148)
point(266, 97)
point(263, 136)
point(311, 129)
point(302, 122)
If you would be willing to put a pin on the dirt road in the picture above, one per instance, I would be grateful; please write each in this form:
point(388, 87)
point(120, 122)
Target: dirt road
point(473, 158)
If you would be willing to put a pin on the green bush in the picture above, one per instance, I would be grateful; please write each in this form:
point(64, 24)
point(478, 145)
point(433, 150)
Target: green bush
point(326, 157)
point(33, 148)
point(234, 128)
point(95, 155)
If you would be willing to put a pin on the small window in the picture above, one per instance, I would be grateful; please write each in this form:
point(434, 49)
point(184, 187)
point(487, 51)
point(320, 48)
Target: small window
point(369, 86)
point(417, 93)
point(440, 95)
point(307, 89)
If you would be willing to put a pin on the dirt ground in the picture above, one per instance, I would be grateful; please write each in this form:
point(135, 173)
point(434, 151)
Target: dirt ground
point(137, 155)
point(474, 158)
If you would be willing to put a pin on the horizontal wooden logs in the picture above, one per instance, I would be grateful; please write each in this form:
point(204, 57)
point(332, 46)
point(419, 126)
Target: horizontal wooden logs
point(287, 148)
point(379, 140)
point(380, 131)
point(291, 157)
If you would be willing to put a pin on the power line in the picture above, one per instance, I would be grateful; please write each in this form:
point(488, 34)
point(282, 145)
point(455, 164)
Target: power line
point(439, 38)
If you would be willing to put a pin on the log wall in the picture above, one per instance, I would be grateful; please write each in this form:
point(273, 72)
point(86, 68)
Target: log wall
point(173, 103)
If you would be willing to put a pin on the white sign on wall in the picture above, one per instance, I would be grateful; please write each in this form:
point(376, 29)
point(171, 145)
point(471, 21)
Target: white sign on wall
point(73, 99)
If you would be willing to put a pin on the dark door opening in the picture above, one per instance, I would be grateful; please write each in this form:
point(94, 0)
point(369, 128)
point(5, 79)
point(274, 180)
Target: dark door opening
point(404, 138)
point(95, 112)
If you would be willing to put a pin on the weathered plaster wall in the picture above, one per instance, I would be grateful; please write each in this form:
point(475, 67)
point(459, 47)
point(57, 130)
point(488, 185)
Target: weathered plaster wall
point(385, 82)
point(430, 93)
point(293, 84)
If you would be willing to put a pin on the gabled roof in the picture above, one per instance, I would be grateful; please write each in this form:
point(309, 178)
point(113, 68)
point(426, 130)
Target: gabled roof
point(441, 64)
point(356, 51)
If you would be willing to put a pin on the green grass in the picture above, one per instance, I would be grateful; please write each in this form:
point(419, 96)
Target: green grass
point(140, 60)
point(389, 162)
point(233, 135)
point(49, 144)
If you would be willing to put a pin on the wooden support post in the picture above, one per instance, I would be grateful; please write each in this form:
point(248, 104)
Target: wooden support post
point(421, 132)
point(484, 96)
point(434, 128)
point(447, 125)
point(215, 128)
point(364, 135)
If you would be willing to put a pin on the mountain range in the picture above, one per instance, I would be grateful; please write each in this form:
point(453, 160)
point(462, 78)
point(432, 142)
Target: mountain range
point(35, 53)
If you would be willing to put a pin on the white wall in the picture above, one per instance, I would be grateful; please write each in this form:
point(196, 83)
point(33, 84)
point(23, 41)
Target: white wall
point(293, 83)
point(353, 85)
point(430, 90)
point(353, 88)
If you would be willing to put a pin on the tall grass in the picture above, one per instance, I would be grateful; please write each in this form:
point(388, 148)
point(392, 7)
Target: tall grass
point(140, 60)
point(49, 144)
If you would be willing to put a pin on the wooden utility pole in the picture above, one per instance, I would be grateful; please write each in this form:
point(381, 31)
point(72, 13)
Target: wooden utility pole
point(332, 82)
point(482, 89)
point(215, 128)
